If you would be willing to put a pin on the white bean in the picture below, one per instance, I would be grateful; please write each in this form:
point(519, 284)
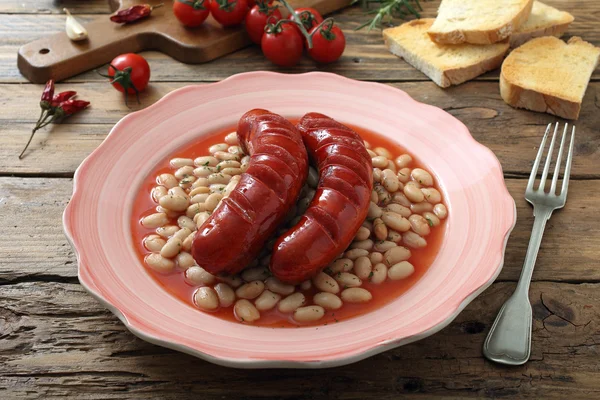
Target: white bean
point(236, 150)
point(174, 202)
point(380, 230)
point(233, 280)
point(375, 257)
point(155, 220)
point(167, 180)
point(389, 180)
point(206, 161)
point(355, 253)
point(199, 183)
point(419, 225)
point(403, 161)
point(186, 245)
point(383, 196)
point(440, 210)
point(379, 273)
point(212, 201)
point(399, 209)
point(377, 175)
point(382, 152)
point(219, 177)
point(374, 197)
point(200, 198)
point(206, 299)
point(413, 240)
point(218, 188)
point(250, 290)
point(367, 144)
point(400, 198)
point(347, 279)
point(306, 285)
point(340, 265)
point(255, 274)
point(413, 193)
point(309, 313)
point(158, 192)
point(421, 207)
point(171, 248)
point(400, 270)
point(185, 222)
point(404, 175)
point(431, 218)
point(204, 171)
point(170, 213)
point(267, 300)
point(187, 182)
point(396, 254)
point(374, 211)
point(395, 221)
point(326, 283)
point(199, 276)
point(276, 286)
point(362, 233)
point(154, 243)
point(362, 244)
point(185, 260)
point(231, 138)
point(371, 153)
point(384, 245)
point(181, 162)
point(201, 218)
point(225, 293)
point(422, 176)
point(356, 295)
point(159, 263)
point(182, 233)
point(379, 162)
point(245, 311)
point(232, 171)
point(313, 178)
point(167, 231)
point(432, 195)
point(224, 155)
point(362, 267)
point(394, 236)
point(328, 301)
point(291, 303)
point(218, 147)
point(391, 166)
point(184, 172)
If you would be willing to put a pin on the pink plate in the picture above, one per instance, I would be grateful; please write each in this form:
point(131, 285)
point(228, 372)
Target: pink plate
point(97, 219)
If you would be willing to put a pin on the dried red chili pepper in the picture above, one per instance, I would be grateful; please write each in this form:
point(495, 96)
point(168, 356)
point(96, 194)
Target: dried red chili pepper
point(134, 13)
point(47, 95)
point(62, 96)
point(56, 106)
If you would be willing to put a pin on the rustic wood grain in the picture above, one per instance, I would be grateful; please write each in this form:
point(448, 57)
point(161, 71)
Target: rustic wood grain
point(34, 246)
point(513, 135)
point(58, 341)
point(365, 56)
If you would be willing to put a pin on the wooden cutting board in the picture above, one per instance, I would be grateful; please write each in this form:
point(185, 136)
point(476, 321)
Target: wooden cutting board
point(59, 58)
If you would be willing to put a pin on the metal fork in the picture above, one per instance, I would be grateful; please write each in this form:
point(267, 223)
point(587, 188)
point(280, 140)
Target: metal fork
point(509, 339)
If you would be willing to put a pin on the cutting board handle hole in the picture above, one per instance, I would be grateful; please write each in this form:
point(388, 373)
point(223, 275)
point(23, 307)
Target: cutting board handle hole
point(44, 51)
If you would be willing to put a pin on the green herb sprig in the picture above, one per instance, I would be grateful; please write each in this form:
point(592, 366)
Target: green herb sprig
point(386, 10)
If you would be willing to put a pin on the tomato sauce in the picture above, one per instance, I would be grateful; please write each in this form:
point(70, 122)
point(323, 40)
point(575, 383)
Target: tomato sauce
point(175, 284)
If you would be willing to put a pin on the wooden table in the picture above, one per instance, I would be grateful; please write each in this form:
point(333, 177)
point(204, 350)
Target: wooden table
point(55, 339)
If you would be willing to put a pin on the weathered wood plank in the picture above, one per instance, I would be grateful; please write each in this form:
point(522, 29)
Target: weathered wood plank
point(365, 58)
point(54, 6)
point(512, 134)
point(34, 246)
point(58, 341)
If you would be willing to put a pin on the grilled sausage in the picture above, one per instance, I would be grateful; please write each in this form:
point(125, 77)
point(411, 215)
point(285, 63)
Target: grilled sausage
point(340, 204)
point(236, 231)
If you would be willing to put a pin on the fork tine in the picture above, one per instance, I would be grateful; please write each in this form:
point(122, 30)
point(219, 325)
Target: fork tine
point(559, 160)
point(565, 185)
point(536, 163)
point(548, 161)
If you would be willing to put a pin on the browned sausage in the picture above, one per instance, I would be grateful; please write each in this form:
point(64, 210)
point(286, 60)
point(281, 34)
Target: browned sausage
point(236, 231)
point(340, 204)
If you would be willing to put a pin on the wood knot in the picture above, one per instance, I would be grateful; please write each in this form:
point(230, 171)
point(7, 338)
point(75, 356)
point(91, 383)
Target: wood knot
point(472, 327)
point(411, 384)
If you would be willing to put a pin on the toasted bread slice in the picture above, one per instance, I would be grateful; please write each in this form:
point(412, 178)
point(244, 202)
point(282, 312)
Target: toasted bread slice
point(478, 21)
point(445, 64)
point(549, 75)
point(543, 21)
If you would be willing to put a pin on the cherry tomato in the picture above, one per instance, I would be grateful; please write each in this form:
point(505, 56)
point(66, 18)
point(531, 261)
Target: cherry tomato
point(256, 19)
point(191, 13)
point(229, 12)
point(328, 44)
point(283, 45)
point(132, 74)
point(309, 17)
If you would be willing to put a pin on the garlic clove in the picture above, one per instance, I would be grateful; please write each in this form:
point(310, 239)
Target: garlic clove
point(75, 31)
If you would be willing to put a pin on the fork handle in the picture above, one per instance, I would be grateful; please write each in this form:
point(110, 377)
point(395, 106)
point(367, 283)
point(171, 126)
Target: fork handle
point(509, 339)
point(541, 216)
